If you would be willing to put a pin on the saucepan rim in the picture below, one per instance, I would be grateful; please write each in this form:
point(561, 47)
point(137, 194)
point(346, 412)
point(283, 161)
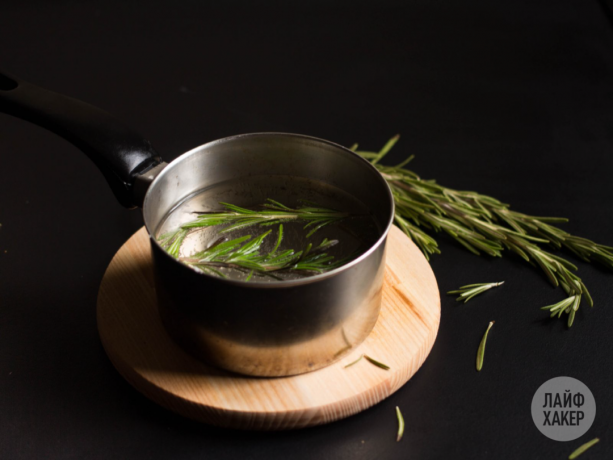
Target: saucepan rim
point(282, 283)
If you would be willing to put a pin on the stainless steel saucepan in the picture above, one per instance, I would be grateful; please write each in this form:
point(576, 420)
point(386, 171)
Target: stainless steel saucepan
point(265, 329)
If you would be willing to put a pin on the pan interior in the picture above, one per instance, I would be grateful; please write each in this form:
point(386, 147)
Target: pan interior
point(343, 240)
point(247, 170)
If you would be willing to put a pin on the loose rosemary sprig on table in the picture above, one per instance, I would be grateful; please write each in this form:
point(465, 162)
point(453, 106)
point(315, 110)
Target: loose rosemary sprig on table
point(483, 224)
point(244, 254)
point(470, 290)
point(571, 303)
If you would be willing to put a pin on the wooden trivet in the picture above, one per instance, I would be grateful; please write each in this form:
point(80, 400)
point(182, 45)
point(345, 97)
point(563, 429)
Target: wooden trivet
point(136, 342)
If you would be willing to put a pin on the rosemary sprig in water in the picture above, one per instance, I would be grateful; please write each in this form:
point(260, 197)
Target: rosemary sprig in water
point(470, 290)
point(173, 240)
point(270, 213)
point(244, 254)
point(483, 224)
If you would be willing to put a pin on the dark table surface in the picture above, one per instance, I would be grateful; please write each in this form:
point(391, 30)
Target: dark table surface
point(513, 99)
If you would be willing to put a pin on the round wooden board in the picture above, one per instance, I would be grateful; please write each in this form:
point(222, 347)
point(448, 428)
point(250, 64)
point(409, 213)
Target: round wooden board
point(136, 342)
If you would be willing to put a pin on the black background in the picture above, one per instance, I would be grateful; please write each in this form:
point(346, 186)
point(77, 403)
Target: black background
point(513, 99)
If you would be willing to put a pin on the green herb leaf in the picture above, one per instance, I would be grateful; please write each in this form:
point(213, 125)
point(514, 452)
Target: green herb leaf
point(174, 243)
point(470, 290)
point(244, 253)
point(377, 363)
point(386, 148)
point(270, 213)
point(354, 362)
point(481, 349)
point(583, 448)
point(400, 424)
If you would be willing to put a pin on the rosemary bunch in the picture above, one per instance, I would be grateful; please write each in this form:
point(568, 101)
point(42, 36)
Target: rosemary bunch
point(483, 224)
point(244, 254)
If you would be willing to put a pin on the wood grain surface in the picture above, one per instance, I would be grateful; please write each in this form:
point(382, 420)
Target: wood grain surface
point(139, 348)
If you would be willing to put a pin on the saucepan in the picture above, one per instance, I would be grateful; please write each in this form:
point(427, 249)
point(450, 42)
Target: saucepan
point(272, 328)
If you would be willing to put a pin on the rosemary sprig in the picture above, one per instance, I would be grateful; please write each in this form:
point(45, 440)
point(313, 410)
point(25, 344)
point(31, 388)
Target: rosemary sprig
point(172, 241)
point(481, 349)
point(470, 290)
point(483, 224)
point(400, 424)
point(271, 213)
point(569, 305)
point(244, 254)
point(583, 448)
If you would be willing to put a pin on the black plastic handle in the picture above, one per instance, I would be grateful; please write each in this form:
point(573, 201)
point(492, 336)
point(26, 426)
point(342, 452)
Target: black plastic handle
point(120, 153)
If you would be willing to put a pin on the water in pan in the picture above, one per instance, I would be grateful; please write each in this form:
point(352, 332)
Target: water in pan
point(355, 234)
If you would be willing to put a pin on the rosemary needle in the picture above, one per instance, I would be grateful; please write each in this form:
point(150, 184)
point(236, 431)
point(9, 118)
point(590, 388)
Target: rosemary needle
point(377, 363)
point(371, 360)
point(583, 448)
point(400, 424)
point(354, 362)
point(481, 350)
point(470, 290)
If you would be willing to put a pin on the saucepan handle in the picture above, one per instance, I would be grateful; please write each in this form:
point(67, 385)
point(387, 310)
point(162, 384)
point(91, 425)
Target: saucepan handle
point(120, 153)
